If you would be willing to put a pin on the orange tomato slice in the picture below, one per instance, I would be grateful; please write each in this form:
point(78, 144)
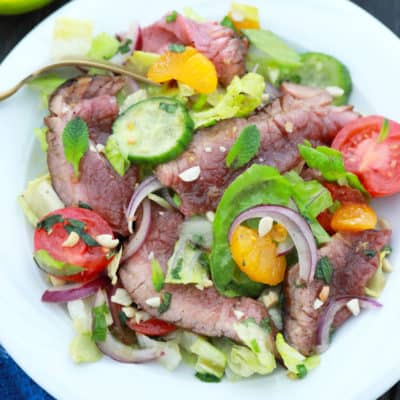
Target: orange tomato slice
point(354, 217)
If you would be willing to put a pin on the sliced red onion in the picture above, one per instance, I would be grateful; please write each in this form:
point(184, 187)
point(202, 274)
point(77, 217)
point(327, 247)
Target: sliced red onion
point(149, 185)
point(118, 351)
point(328, 315)
point(137, 240)
point(298, 230)
point(63, 294)
point(285, 247)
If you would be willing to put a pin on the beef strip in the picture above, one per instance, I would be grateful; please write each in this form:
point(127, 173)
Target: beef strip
point(99, 185)
point(218, 43)
point(283, 125)
point(352, 269)
point(202, 311)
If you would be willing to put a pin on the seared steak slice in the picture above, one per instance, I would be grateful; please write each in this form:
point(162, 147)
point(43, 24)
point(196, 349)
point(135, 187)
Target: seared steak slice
point(218, 43)
point(93, 99)
point(283, 125)
point(352, 265)
point(203, 311)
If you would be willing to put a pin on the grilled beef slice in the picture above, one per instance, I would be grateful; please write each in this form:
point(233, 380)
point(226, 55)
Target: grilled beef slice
point(218, 43)
point(354, 263)
point(203, 311)
point(283, 125)
point(92, 99)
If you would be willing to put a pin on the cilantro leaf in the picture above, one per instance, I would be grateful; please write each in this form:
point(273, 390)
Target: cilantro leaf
point(171, 17)
point(157, 275)
point(176, 48)
point(176, 272)
point(76, 142)
point(266, 324)
point(209, 378)
point(245, 148)
point(87, 239)
point(76, 223)
point(81, 204)
point(48, 222)
point(384, 133)
point(324, 270)
point(165, 302)
point(99, 323)
point(125, 46)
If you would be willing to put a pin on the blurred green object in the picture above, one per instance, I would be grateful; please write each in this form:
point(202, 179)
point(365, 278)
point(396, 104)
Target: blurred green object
point(14, 7)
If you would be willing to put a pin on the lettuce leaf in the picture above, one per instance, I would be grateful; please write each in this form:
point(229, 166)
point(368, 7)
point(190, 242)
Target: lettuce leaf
point(40, 134)
point(115, 157)
point(103, 47)
point(46, 85)
point(243, 95)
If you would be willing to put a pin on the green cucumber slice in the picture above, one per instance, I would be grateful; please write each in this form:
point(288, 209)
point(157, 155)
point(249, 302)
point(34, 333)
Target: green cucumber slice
point(54, 267)
point(153, 131)
point(322, 70)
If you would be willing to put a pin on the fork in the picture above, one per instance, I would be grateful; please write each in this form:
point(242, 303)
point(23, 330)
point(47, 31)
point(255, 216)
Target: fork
point(103, 65)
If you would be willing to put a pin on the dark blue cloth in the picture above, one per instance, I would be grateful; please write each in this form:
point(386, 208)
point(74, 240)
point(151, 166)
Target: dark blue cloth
point(15, 384)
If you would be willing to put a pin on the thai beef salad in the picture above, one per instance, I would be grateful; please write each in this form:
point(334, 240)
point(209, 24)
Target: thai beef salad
point(219, 214)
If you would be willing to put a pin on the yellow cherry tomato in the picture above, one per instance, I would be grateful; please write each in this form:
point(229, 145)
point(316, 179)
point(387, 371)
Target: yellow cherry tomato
point(354, 217)
point(257, 256)
point(244, 16)
point(189, 67)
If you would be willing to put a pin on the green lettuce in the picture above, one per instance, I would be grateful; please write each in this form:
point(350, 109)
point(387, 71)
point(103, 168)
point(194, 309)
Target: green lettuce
point(243, 95)
point(40, 134)
point(83, 349)
point(103, 47)
point(46, 85)
point(115, 157)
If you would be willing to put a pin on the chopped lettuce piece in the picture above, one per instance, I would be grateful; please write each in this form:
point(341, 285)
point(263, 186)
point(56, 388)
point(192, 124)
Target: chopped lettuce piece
point(104, 47)
point(115, 157)
point(258, 340)
point(80, 312)
point(243, 95)
point(71, 38)
point(188, 12)
point(294, 361)
point(141, 61)
point(83, 349)
point(38, 199)
point(330, 163)
point(40, 134)
point(132, 99)
point(46, 85)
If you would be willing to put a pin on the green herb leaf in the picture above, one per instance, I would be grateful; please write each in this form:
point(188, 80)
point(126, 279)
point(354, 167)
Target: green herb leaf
point(245, 148)
point(48, 222)
point(171, 17)
point(209, 378)
point(157, 275)
point(324, 270)
point(200, 102)
point(228, 23)
point(122, 317)
point(165, 302)
point(266, 324)
point(76, 223)
point(87, 239)
point(99, 323)
point(176, 48)
point(384, 133)
point(370, 253)
point(254, 346)
point(76, 142)
point(177, 200)
point(125, 47)
point(301, 371)
point(81, 204)
point(386, 249)
point(176, 272)
point(169, 108)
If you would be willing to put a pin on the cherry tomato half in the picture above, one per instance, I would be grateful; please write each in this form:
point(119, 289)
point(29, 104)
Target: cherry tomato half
point(92, 258)
point(376, 162)
point(152, 327)
point(354, 217)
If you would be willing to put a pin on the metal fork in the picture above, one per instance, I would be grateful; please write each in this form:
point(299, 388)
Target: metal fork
point(103, 65)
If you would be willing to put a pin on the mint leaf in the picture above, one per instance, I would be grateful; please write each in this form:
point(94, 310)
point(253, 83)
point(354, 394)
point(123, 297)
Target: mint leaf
point(171, 17)
point(245, 148)
point(165, 302)
point(384, 133)
point(48, 222)
point(324, 270)
point(76, 142)
point(157, 275)
point(125, 47)
point(99, 323)
point(176, 48)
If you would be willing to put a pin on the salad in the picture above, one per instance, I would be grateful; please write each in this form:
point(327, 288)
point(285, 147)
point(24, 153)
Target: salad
point(219, 216)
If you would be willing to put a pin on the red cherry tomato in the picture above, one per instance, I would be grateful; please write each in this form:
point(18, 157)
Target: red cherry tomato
point(152, 327)
point(376, 162)
point(92, 258)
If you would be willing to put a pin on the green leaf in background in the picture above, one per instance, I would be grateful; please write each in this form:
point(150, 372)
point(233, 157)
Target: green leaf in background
point(245, 148)
point(76, 142)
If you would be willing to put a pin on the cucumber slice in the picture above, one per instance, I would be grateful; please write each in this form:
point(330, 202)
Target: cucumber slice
point(321, 70)
point(153, 131)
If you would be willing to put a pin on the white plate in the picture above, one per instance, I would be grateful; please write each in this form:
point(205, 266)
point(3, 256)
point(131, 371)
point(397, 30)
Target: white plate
point(364, 359)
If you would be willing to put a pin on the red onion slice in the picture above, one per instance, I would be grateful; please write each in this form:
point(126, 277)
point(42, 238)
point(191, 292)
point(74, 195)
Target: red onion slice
point(285, 247)
point(63, 294)
point(328, 315)
point(118, 351)
point(149, 185)
point(298, 230)
point(137, 240)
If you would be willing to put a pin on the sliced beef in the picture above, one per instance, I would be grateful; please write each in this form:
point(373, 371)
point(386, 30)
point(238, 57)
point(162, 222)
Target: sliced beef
point(283, 125)
point(202, 311)
point(218, 43)
point(93, 99)
point(353, 266)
